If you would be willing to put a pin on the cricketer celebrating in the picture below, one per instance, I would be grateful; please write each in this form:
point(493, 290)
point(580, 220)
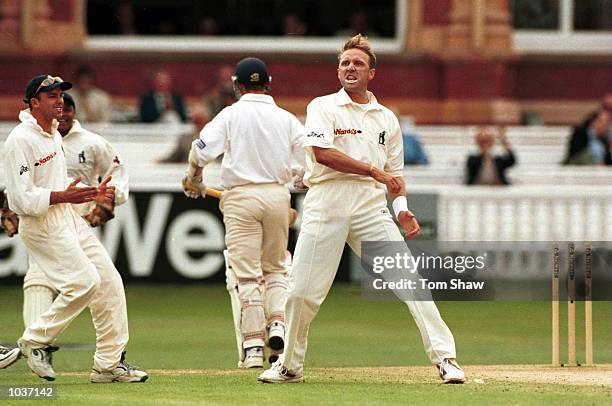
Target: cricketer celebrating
point(354, 146)
point(258, 140)
point(61, 243)
point(88, 157)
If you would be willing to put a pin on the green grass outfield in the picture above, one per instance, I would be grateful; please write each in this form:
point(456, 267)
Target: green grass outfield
point(360, 352)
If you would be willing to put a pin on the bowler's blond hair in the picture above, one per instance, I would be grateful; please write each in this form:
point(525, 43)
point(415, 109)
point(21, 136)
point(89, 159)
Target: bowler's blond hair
point(361, 43)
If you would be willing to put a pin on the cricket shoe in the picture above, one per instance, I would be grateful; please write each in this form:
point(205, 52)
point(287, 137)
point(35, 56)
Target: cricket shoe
point(450, 371)
point(123, 372)
point(279, 374)
point(8, 356)
point(40, 360)
point(254, 358)
point(276, 335)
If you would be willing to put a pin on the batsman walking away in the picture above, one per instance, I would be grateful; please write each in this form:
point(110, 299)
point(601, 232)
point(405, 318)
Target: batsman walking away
point(258, 141)
point(231, 282)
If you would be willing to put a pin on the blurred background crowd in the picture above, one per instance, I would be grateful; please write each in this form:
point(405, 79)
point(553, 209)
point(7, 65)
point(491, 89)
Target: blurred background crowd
point(444, 62)
point(488, 92)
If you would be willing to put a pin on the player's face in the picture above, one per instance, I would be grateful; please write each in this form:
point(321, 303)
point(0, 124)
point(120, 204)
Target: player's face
point(65, 121)
point(49, 104)
point(354, 70)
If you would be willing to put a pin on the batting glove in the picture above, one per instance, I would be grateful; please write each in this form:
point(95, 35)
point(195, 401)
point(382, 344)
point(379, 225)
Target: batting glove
point(193, 186)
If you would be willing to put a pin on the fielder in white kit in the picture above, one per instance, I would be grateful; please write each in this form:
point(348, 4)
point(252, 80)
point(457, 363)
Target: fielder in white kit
point(354, 147)
point(91, 158)
point(60, 242)
point(257, 140)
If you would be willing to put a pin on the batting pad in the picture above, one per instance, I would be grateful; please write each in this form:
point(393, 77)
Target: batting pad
point(36, 300)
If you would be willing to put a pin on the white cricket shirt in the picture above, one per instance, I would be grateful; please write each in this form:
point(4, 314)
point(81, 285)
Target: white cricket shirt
point(35, 166)
point(369, 133)
point(91, 157)
point(257, 139)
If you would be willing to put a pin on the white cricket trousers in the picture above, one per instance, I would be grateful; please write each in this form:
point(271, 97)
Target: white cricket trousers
point(335, 212)
point(256, 218)
point(63, 246)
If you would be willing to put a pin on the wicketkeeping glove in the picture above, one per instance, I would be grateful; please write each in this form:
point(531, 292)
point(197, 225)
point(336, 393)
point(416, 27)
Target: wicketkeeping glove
point(100, 214)
point(10, 222)
point(193, 186)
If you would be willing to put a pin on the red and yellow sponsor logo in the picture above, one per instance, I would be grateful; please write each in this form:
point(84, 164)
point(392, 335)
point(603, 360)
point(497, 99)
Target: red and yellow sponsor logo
point(45, 159)
point(340, 131)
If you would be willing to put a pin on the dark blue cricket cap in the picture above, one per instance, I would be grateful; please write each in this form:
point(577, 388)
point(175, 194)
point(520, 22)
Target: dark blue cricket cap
point(252, 71)
point(44, 83)
point(68, 100)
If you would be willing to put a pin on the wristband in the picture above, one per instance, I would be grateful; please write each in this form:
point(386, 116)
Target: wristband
point(400, 204)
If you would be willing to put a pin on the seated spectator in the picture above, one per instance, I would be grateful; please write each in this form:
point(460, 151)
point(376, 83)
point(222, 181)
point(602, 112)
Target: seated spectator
point(606, 105)
point(485, 168)
point(414, 154)
point(94, 104)
point(161, 104)
point(589, 143)
point(208, 26)
point(223, 94)
point(200, 115)
point(126, 18)
point(358, 24)
point(293, 25)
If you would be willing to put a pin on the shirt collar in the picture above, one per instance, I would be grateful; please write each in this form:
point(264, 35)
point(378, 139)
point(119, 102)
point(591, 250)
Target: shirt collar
point(256, 97)
point(26, 117)
point(75, 129)
point(342, 99)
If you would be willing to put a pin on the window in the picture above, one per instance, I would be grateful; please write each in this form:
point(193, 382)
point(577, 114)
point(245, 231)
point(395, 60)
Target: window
point(593, 15)
point(535, 14)
point(562, 26)
point(240, 25)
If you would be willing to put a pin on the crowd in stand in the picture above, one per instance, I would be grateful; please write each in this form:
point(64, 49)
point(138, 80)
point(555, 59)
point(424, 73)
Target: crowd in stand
point(317, 18)
point(590, 142)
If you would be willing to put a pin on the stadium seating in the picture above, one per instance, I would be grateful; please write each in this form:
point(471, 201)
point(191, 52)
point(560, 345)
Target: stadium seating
point(548, 200)
point(539, 151)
